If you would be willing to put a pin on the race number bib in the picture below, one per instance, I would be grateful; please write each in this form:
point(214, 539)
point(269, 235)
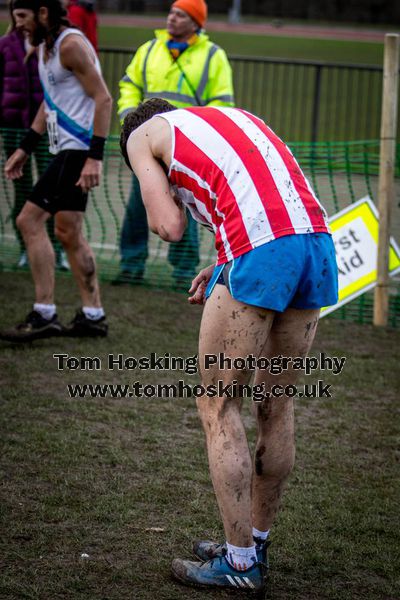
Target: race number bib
point(52, 131)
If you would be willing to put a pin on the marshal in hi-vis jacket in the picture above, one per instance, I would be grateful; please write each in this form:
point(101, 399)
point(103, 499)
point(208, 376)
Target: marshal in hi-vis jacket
point(203, 76)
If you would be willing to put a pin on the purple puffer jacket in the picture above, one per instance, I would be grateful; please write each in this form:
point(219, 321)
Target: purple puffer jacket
point(20, 90)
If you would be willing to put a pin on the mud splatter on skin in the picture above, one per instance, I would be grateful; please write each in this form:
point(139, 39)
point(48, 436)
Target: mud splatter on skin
point(90, 271)
point(272, 503)
point(264, 410)
point(206, 374)
point(258, 460)
point(90, 267)
point(235, 313)
point(273, 500)
point(310, 327)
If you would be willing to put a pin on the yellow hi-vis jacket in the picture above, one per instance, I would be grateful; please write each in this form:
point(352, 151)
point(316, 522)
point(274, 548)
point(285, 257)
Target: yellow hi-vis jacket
point(204, 77)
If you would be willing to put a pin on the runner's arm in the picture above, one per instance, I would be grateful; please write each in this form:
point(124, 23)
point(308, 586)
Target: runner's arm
point(13, 169)
point(165, 217)
point(39, 122)
point(77, 57)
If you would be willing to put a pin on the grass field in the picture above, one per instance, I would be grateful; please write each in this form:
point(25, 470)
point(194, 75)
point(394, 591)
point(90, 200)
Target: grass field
point(255, 45)
point(126, 481)
point(260, 45)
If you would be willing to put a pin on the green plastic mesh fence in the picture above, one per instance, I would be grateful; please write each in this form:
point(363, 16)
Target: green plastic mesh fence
point(340, 172)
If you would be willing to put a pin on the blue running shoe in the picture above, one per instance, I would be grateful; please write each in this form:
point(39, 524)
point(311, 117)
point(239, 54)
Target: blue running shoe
point(218, 573)
point(206, 550)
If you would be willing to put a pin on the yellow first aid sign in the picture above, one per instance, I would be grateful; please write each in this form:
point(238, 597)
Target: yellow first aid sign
point(355, 235)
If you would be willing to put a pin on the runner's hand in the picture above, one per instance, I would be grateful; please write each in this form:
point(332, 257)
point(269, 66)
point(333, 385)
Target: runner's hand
point(14, 166)
point(90, 174)
point(199, 285)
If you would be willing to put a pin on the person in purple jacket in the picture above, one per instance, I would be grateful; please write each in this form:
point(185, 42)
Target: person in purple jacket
point(20, 97)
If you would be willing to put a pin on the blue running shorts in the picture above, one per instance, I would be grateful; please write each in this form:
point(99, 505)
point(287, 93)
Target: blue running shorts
point(294, 271)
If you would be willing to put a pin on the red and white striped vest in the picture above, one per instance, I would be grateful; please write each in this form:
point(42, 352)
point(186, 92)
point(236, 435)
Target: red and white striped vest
point(239, 179)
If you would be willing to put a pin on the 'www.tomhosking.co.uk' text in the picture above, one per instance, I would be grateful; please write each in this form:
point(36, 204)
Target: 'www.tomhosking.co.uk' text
point(257, 392)
point(275, 365)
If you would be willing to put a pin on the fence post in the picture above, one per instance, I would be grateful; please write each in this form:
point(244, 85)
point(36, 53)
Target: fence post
point(386, 192)
point(235, 12)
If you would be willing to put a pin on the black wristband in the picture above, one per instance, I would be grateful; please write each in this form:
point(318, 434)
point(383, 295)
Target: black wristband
point(96, 149)
point(30, 141)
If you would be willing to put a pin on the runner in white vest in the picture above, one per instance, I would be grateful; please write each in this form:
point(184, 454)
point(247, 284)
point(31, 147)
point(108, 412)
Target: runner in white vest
point(65, 100)
point(76, 112)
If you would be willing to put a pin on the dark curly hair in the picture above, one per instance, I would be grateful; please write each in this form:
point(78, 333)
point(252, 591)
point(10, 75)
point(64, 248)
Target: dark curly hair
point(133, 120)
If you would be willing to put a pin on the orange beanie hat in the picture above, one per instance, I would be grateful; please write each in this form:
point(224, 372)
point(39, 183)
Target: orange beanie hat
point(197, 9)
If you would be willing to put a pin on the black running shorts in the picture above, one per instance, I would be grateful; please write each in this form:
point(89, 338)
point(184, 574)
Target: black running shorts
point(56, 189)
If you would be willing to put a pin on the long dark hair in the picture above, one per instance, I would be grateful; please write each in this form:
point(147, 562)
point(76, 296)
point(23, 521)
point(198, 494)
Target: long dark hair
point(12, 26)
point(57, 19)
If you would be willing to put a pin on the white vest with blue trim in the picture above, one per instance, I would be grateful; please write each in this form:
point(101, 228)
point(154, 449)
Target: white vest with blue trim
point(64, 95)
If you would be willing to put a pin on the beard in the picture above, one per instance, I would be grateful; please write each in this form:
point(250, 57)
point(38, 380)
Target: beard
point(39, 35)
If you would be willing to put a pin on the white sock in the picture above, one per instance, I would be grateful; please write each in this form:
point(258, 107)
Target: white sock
point(262, 535)
point(47, 311)
point(241, 558)
point(94, 314)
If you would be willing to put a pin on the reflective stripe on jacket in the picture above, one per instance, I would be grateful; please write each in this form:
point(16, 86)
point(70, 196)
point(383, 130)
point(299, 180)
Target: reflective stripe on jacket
point(201, 76)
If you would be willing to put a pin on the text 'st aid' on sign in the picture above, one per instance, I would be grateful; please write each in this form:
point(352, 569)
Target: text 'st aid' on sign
point(355, 235)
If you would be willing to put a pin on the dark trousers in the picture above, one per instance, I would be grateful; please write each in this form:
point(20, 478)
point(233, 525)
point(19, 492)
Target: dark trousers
point(183, 255)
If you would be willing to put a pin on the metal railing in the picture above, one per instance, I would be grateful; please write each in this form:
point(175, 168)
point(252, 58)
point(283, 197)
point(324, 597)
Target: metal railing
point(305, 101)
